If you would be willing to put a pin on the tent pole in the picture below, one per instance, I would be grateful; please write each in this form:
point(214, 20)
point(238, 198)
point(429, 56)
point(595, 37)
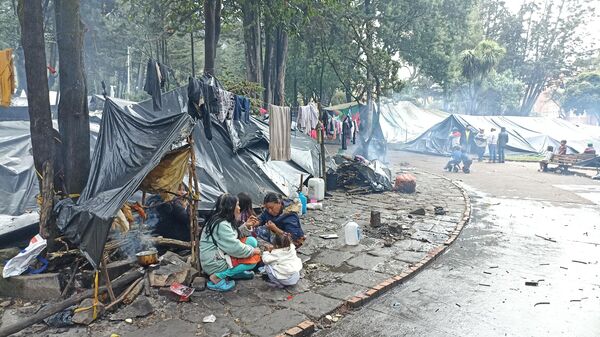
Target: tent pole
point(107, 279)
point(193, 182)
point(323, 161)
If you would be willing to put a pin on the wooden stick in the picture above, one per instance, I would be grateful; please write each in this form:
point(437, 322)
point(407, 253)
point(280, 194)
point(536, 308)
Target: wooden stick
point(194, 205)
point(124, 294)
point(71, 279)
point(107, 279)
point(7, 330)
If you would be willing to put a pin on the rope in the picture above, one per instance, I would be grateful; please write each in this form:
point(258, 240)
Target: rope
point(95, 302)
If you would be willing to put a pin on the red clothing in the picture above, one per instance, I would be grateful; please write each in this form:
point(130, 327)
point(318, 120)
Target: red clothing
point(562, 150)
point(254, 259)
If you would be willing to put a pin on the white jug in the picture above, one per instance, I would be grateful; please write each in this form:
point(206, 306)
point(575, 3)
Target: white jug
point(352, 233)
point(316, 189)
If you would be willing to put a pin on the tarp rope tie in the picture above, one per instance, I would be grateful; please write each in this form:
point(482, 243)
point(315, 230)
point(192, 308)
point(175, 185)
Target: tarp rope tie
point(95, 302)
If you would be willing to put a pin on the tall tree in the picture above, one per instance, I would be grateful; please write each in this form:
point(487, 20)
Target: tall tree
point(542, 40)
point(212, 29)
point(73, 114)
point(477, 64)
point(42, 134)
point(582, 94)
point(252, 39)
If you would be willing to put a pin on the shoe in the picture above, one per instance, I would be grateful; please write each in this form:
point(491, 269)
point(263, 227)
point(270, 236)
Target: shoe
point(222, 286)
point(245, 275)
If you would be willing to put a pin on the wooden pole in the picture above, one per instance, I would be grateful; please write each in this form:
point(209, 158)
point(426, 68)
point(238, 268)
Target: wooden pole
point(51, 309)
point(323, 159)
point(194, 204)
point(107, 279)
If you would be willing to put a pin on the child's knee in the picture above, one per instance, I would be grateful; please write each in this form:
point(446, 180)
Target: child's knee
point(251, 241)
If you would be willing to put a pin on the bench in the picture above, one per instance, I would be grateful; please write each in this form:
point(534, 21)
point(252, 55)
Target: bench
point(564, 161)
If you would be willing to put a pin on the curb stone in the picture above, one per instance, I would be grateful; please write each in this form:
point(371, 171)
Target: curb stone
point(307, 327)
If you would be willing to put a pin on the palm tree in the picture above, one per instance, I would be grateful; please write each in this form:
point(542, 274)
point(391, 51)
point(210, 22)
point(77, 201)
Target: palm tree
point(477, 64)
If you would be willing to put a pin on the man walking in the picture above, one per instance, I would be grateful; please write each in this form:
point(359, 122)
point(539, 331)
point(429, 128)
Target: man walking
point(502, 141)
point(492, 145)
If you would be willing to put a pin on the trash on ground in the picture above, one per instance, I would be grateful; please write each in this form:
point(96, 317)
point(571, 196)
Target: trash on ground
point(209, 319)
point(540, 303)
point(531, 283)
point(328, 236)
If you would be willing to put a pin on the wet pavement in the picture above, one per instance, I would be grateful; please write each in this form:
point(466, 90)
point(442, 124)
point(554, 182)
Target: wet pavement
point(525, 227)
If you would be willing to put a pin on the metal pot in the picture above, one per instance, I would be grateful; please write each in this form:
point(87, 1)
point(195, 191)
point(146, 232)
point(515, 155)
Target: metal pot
point(147, 257)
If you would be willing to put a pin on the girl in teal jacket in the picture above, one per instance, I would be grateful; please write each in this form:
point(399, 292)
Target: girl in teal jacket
point(220, 240)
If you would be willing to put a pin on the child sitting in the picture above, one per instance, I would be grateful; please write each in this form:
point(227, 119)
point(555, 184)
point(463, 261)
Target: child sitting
point(282, 266)
point(453, 164)
point(544, 162)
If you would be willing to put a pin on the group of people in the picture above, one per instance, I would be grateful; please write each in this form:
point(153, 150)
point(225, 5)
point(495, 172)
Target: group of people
point(495, 142)
point(562, 150)
point(229, 242)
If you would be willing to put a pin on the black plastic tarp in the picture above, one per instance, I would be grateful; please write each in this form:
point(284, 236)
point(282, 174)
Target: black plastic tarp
point(220, 169)
point(18, 182)
point(128, 148)
point(526, 134)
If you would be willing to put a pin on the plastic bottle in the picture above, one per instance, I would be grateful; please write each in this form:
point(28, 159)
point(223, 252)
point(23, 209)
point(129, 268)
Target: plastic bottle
point(352, 233)
point(303, 201)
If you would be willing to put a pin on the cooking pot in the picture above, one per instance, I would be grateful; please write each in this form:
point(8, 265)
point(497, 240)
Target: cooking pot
point(147, 257)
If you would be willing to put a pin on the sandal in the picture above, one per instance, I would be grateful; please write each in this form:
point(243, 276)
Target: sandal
point(245, 275)
point(221, 286)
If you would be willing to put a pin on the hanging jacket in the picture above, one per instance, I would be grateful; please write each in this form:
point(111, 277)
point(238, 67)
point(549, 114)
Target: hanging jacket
point(156, 77)
point(7, 77)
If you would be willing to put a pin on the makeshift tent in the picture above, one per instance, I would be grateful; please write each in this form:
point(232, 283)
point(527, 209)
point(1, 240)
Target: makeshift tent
point(403, 121)
point(129, 147)
point(526, 134)
point(18, 182)
point(221, 170)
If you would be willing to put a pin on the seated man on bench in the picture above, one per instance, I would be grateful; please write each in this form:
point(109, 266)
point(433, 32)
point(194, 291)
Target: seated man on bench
point(590, 149)
point(544, 162)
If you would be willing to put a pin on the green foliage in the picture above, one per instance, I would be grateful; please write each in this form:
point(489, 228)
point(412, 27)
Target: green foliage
point(502, 94)
point(582, 94)
point(479, 62)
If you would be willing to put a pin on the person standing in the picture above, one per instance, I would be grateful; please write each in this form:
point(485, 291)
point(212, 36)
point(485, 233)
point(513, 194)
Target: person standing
point(468, 138)
point(492, 141)
point(502, 141)
point(454, 139)
point(481, 143)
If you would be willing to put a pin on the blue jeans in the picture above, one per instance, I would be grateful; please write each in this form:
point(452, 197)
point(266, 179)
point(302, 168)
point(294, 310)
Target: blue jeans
point(492, 148)
point(501, 153)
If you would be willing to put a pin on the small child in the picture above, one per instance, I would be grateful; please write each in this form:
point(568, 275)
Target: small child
point(246, 210)
point(282, 265)
point(544, 162)
point(562, 149)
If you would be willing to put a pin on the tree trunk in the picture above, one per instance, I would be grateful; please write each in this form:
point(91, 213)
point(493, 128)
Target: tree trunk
point(193, 57)
point(251, 23)
point(268, 65)
point(212, 24)
point(32, 40)
point(73, 114)
point(280, 64)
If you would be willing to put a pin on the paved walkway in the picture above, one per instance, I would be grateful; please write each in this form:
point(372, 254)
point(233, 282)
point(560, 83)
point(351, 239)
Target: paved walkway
point(333, 272)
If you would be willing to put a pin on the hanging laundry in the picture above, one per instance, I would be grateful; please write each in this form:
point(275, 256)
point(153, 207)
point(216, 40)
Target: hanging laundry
point(197, 104)
point(241, 111)
point(226, 104)
point(155, 80)
point(308, 117)
point(7, 77)
point(280, 133)
point(346, 131)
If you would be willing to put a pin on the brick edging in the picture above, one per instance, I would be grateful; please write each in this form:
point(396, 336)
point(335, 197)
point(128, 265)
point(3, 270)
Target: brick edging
point(307, 327)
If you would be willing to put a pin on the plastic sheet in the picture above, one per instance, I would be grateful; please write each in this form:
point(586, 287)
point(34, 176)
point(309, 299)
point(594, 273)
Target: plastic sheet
point(526, 134)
